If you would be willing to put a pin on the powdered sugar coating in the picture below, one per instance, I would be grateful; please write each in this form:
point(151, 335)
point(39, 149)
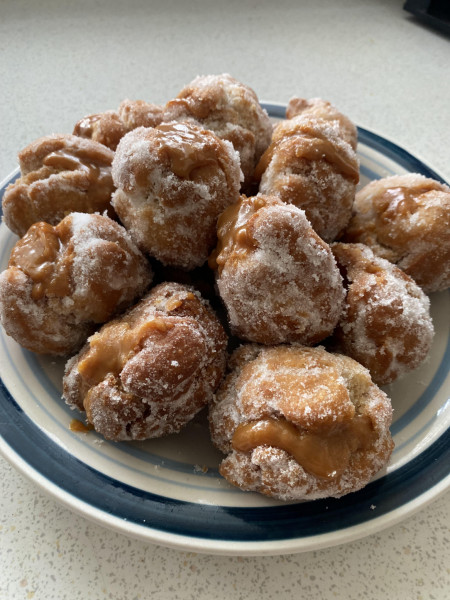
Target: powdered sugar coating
point(386, 324)
point(168, 377)
point(309, 165)
point(312, 389)
point(281, 283)
point(173, 181)
point(60, 174)
point(93, 271)
point(228, 108)
point(406, 220)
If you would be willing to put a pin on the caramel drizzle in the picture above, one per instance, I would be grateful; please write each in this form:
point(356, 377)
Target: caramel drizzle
point(84, 128)
point(324, 455)
point(73, 159)
point(182, 145)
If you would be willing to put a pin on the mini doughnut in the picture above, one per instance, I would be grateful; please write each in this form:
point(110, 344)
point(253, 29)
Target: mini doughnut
point(406, 220)
point(299, 423)
point(150, 371)
point(309, 165)
point(63, 280)
point(386, 324)
point(228, 108)
point(108, 128)
point(278, 280)
point(316, 107)
point(173, 182)
point(60, 174)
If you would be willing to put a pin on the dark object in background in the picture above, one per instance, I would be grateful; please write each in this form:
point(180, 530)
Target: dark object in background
point(435, 13)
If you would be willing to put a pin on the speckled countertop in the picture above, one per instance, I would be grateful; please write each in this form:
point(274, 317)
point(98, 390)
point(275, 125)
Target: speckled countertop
point(62, 60)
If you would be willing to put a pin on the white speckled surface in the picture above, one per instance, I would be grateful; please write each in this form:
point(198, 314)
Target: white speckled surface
point(60, 61)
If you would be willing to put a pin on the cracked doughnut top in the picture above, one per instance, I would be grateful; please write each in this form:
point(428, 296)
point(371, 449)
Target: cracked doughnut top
point(228, 108)
point(148, 372)
point(299, 423)
point(60, 174)
point(386, 323)
point(109, 127)
point(173, 182)
point(309, 165)
point(406, 220)
point(316, 107)
point(63, 279)
point(277, 278)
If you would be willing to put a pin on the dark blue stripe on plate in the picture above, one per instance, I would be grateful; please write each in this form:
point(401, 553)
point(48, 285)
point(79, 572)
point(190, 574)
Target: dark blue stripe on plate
point(218, 522)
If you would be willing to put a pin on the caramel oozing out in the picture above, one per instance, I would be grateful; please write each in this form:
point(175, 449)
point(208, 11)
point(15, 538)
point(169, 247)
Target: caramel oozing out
point(36, 255)
point(311, 145)
point(403, 200)
point(77, 159)
point(324, 455)
point(234, 240)
point(114, 345)
point(187, 148)
point(79, 427)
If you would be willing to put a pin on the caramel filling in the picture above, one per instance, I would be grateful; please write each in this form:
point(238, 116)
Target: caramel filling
point(186, 149)
point(79, 427)
point(74, 159)
point(311, 145)
point(234, 239)
point(324, 455)
point(114, 345)
point(85, 127)
point(403, 200)
point(36, 255)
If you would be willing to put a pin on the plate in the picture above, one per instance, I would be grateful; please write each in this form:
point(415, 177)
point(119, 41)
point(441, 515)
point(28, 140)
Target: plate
point(169, 491)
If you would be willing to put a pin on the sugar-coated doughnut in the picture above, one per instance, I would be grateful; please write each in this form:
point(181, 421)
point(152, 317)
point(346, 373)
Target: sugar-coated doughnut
point(228, 108)
point(150, 371)
point(299, 423)
point(406, 220)
point(173, 182)
point(316, 107)
point(277, 278)
point(63, 280)
point(386, 323)
point(60, 174)
point(309, 165)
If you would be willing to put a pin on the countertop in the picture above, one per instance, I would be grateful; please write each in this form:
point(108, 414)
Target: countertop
point(62, 60)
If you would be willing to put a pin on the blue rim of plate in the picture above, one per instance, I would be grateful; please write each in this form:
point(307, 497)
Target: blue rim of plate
point(158, 515)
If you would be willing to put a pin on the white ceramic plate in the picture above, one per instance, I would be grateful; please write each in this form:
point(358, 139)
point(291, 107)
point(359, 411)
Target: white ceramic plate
point(169, 491)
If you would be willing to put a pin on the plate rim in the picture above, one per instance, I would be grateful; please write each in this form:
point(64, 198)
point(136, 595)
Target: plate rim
point(217, 545)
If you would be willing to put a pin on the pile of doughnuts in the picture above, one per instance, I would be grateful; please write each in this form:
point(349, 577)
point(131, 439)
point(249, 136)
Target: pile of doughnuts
point(195, 254)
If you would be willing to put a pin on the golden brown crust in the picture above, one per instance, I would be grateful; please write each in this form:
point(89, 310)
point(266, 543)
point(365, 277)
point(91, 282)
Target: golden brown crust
point(277, 278)
point(308, 165)
point(228, 108)
point(406, 220)
point(109, 127)
point(173, 182)
point(63, 280)
point(60, 174)
point(316, 107)
point(386, 323)
point(174, 353)
point(317, 394)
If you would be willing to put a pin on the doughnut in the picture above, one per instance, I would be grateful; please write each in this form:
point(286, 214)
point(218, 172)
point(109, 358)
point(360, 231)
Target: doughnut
point(309, 165)
point(173, 182)
point(228, 108)
point(63, 280)
point(386, 324)
point(148, 372)
point(406, 220)
point(60, 174)
point(316, 107)
point(299, 423)
point(109, 127)
point(277, 278)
